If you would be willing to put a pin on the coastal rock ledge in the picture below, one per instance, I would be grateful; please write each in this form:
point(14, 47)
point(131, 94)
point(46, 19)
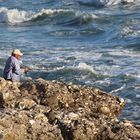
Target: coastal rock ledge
point(51, 110)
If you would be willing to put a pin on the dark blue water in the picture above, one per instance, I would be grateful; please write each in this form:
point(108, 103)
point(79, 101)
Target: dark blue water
point(87, 42)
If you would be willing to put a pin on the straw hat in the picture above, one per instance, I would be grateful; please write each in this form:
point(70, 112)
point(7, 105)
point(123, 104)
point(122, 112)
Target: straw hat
point(17, 51)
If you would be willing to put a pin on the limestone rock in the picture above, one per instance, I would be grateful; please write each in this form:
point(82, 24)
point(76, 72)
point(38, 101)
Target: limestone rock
point(51, 110)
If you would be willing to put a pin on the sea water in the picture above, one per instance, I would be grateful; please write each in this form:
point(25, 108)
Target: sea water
point(88, 42)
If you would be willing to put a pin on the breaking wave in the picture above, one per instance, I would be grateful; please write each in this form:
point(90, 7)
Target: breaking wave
point(15, 16)
point(100, 3)
point(84, 66)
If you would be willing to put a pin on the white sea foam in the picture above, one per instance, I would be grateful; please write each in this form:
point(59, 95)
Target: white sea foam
point(80, 66)
point(106, 2)
point(115, 2)
point(89, 16)
point(84, 66)
point(112, 2)
point(15, 16)
point(105, 82)
point(36, 68)
point(3, 9)
point(137, 96)
point(129, 31)
point(118, 89)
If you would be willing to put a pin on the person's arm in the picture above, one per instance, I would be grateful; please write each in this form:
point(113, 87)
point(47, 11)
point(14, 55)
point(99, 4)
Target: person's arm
point(25, 69)
point(16, 67)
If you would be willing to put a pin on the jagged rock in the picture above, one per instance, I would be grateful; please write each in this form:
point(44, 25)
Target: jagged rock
point(26, 103)
point(48, 110)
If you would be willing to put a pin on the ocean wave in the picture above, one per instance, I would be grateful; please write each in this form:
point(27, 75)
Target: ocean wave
point(79, 19)
point(76, 33)
point(80, 67)
point(101, 3)
point(16, 16)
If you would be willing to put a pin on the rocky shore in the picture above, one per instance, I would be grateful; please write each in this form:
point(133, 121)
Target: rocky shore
point(50, 110)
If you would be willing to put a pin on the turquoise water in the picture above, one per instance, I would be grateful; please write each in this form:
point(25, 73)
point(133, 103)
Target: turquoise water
point(94, 43)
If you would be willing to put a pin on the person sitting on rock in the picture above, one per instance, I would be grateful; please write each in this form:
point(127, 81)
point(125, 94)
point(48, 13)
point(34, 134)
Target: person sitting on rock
point(12, 69)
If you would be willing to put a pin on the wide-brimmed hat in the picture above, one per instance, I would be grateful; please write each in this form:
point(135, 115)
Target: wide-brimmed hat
point(17, 51)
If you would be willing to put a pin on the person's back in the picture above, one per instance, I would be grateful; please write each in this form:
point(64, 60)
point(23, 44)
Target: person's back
point(12, 69)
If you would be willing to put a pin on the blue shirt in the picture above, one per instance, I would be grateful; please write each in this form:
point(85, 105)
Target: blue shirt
point(12, 69)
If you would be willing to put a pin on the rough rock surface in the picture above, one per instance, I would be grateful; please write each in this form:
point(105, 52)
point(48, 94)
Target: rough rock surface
point(50, 110)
